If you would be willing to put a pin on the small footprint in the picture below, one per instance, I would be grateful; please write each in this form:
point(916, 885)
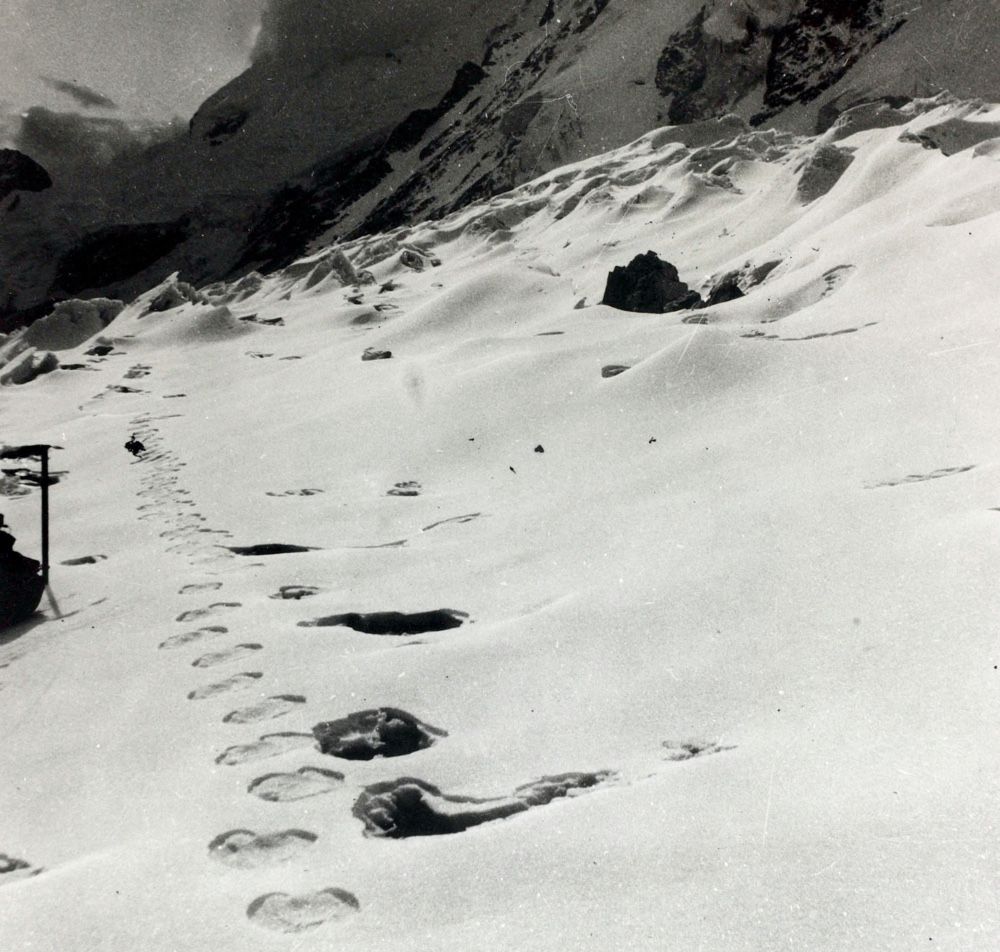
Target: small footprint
point(214, 609)
point(678, 751)
point(12, 869)
point(408, 488)
point(244, 849)
point(189, 637)
point(237, 682)
point(200, 587)
point(214, 658)
point(282, 912)
point(265, 710)
point(305, 782)
point(269, 745)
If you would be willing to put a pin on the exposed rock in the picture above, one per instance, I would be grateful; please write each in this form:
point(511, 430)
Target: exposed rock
point(28, 365)
point(116, 252)
point(20, 173)
point(613, 370)
point(648, 285)
point(372, 354)
point(727, 288)
point(173, 294)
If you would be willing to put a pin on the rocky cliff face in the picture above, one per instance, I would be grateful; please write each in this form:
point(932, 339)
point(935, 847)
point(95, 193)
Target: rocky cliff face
point(341, 128)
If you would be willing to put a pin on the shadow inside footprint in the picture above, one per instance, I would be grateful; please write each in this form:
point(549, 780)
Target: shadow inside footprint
point(406, 807)
point(188, 637)
point(265, 710)
point(305, 782)
point(269, 745)
point(214, 609)
point(295, 591)
point(269, 548)
point(392, 623)
point(282, 912)
point(237, 682)
point(678, 751)
point(221, 657)
point(12, 869)
point(244, 849)
point(380, 732)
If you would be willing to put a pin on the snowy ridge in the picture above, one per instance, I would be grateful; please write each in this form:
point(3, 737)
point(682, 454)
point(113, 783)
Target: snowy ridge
point(696, 654)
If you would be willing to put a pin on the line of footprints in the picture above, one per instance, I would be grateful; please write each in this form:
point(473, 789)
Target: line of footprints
point(394, 809)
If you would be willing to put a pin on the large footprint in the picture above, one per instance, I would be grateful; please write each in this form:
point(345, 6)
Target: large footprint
point(282, 912)
point(265, 710)
point(237, 682)
point(305, 782)
point(213, 658)
point(270, 745)
point(244, 849)
point(411, 807)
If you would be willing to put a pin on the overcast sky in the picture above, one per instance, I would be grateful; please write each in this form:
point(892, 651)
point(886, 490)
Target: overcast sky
point(156, 58)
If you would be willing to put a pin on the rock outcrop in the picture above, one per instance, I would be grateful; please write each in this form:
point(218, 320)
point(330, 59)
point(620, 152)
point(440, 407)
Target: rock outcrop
point(648, 285)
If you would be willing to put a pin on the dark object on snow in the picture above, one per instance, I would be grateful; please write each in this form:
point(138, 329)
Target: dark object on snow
point(380, 732)
point(21, 584)
point(539, 448)
point(613, 370)
point(392, 623)
point(372, 354)
point(134, 446)
point(648, 285)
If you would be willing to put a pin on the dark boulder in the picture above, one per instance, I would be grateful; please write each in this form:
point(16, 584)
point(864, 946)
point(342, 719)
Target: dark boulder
point(727, 288)
point(648, 285)
point(18, 172)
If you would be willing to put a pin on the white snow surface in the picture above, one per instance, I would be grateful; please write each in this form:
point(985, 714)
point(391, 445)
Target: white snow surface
point(754, 577)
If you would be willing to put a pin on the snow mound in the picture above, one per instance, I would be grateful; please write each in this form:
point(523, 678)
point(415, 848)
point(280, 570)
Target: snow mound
point(73, 322)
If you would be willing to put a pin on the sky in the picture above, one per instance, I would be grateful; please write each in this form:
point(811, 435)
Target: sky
point(151, 58)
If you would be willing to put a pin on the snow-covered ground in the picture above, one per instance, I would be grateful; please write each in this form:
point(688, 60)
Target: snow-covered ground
point(720, 668)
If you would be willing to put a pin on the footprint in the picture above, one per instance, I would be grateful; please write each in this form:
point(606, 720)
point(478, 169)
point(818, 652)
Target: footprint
point(924, 477)
point(468, 517)
point(237, 682)
point(305, 782)
point(189, 637)
point(380, 732)
point(200, 587)
point(392, 623)
point(678, 751)
point(244, 849)
point(295, 591)
point(265, 710)
point(282, 912)
point(409, 807)
point(214, 658)
point(269, 745)
point(409, 488)
point(296, 492)
point(269, 548)
point(214, 609)
point(12, 869)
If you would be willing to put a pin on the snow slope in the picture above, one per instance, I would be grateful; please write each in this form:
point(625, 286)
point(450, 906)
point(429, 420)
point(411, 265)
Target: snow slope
point(726, 677)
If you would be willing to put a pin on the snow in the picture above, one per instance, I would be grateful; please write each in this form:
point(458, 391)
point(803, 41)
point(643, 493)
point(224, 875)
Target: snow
point(749, 584)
